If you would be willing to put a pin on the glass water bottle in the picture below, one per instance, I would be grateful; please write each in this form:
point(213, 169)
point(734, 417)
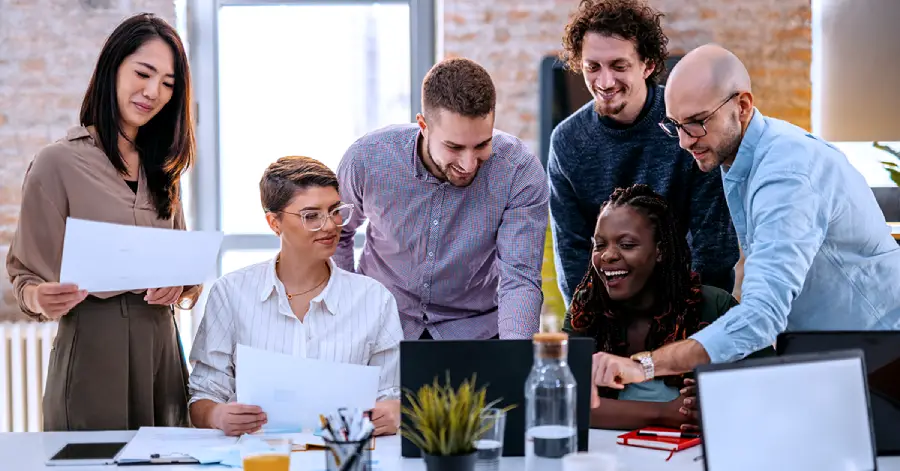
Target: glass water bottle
point(550, 392)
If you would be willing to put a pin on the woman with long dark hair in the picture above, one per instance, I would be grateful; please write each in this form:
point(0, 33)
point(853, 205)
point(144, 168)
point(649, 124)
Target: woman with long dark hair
point(116, 362)
point(640, 294)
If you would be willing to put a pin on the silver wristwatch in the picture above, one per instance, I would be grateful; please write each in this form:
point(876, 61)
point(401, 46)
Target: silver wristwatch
point(646, 361)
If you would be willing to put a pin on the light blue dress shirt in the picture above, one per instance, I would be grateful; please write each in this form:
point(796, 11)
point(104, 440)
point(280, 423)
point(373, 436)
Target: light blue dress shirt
point(819, 253)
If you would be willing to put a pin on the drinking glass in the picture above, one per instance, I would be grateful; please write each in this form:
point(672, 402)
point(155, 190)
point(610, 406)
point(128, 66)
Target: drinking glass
point(489, 448)
point(270, 454)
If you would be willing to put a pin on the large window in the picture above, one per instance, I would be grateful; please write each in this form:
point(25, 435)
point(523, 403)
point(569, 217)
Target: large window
point(303, 80)
point(292, 77)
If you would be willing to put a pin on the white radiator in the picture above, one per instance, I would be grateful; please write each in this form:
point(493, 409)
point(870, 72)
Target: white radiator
point(24, 356)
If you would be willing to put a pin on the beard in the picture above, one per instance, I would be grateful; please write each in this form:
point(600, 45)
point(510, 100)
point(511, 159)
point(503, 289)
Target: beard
point(445, 171)
point(604, 109)
point(730, 144)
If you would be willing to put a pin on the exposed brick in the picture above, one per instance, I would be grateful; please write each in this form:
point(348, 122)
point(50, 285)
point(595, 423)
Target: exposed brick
point(708, 13)
point(33, 65)
point(48, 49)
point(778, 67)
point(772, 38)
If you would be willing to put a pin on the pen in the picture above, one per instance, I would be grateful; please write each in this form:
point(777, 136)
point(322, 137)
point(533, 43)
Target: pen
point(346, 425)
point(659, 433)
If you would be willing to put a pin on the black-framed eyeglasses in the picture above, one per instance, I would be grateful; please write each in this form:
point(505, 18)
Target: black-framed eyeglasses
point(315, 220)
point(695, 129)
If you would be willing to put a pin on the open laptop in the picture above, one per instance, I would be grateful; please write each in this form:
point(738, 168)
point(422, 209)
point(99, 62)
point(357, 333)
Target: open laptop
point(787, 413)
point(500, 365)
point(882, 353)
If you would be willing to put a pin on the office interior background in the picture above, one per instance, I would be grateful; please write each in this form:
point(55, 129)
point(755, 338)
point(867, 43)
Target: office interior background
point(307, 77)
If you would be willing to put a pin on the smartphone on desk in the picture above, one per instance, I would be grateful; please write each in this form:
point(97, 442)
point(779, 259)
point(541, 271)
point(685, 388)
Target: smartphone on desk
point(86, 454)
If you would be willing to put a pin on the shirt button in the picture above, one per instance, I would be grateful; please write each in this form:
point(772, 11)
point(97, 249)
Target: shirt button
point(431, 254)
point(434, 223)
point(426, 285)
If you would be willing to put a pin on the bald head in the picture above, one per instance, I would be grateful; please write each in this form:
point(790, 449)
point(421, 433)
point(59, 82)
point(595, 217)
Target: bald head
point(709, 103)
point(710, 69)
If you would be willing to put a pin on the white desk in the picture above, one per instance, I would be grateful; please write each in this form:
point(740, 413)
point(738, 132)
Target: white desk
point(28, 451)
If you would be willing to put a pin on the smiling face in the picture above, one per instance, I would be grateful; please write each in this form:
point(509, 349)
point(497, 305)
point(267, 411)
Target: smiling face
point(625, 253)
point(615, 75)
point(309, 204)
point(455, 146)
point(144, 83)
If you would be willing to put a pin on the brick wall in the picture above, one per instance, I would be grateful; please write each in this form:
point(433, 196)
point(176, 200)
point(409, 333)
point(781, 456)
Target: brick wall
point(48, 49)
point(509, 37)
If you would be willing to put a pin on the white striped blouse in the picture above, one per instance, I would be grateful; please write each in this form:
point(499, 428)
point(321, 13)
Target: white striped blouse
point(353, 320)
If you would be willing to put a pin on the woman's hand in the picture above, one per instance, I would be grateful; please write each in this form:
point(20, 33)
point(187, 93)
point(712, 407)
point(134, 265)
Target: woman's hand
point(690, 407)
point(682, 412)
point(237, 419)
point(55, 300)
point(386, 417)
point(164, 296)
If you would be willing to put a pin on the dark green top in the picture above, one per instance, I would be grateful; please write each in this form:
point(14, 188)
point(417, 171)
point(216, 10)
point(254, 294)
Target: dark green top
point(716, 302)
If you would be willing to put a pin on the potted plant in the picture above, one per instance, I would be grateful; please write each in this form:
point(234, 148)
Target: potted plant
point(892, 167)
point(445, 422)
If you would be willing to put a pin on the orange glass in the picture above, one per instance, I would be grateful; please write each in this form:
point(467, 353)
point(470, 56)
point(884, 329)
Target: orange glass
point(274, 457)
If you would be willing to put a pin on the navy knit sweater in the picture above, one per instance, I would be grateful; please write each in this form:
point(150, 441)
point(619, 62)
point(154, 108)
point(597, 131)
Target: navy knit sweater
point(591, 156)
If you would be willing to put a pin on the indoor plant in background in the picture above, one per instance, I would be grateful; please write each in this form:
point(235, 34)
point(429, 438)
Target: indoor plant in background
point(893, 168)
point(445, 422)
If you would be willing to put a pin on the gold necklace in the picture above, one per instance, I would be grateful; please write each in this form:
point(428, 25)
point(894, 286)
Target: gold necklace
point(291, 296)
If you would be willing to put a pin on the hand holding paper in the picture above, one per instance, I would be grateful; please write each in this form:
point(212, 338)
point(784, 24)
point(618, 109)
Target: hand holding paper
point(293, 391)
point(99, 256)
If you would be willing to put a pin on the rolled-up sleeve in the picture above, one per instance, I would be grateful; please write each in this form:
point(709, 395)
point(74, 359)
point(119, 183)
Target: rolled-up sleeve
point(520, 253)
point(212, 354)
point(386, 353)
point(789, 221)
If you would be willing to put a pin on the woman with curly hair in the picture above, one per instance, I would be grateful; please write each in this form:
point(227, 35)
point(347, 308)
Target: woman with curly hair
point(639, 294)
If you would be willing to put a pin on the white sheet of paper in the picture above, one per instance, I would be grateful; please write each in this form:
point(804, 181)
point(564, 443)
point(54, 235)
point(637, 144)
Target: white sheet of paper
point(171, 442)
point(99, 256)
point(294, 391)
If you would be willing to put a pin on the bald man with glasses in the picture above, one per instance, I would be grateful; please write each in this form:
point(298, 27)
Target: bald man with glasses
point(819, 253)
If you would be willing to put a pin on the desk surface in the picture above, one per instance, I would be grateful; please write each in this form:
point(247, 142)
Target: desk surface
point(895, 229)
point(28, 452)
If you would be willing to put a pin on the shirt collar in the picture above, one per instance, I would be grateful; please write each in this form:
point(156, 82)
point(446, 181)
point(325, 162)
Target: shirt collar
point(420, 171)
point(743, 161)
point(77, 132)
point(330, 296)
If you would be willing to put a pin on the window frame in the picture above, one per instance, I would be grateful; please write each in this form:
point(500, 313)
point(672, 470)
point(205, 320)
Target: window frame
point(203, 29)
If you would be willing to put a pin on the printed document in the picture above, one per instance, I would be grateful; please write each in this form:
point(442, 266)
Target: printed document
point(173, 443)
point(99, 256)
point(294, 391)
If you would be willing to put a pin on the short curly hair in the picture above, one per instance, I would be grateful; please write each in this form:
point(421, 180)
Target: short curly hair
point(633, 20)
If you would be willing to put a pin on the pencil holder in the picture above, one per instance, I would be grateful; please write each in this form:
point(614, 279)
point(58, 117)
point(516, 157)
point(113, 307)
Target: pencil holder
point(348, 456)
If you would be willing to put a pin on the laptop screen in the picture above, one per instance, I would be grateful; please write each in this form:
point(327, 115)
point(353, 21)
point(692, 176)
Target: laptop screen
point(882, 357)
point(787, 413)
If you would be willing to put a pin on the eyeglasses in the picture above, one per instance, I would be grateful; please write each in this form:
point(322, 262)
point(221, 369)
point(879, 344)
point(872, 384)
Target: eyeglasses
point(695, 129)
point(315, 220)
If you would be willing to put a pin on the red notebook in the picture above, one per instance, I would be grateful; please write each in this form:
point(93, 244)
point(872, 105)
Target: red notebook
point(671, 443)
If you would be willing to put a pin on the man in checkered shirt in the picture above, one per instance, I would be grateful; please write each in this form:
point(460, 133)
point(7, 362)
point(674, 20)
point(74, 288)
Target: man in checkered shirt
point(457, 213)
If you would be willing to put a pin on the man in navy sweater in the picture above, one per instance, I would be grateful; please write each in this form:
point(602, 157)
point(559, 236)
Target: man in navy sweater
point(616, 141)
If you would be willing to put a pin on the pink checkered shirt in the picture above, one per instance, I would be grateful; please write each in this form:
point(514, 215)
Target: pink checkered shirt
point(464, 263)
